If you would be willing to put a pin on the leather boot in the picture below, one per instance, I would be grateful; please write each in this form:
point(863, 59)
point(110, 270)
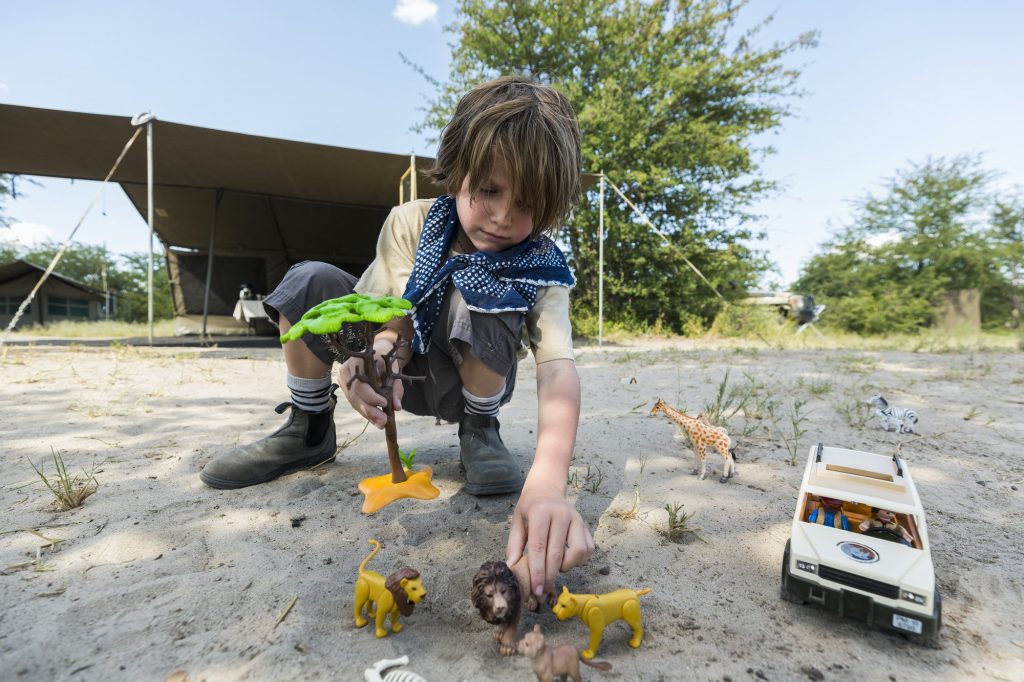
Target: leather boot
point(282, 452)
point(490, 468)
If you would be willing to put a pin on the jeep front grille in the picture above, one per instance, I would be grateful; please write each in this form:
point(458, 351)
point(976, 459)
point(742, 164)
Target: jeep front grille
point(859, 581)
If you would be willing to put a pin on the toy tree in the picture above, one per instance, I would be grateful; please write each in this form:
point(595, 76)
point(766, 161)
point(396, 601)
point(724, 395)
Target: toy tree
point(349, 325)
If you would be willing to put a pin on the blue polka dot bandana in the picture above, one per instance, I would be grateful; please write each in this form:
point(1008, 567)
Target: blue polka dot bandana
point(489, 282)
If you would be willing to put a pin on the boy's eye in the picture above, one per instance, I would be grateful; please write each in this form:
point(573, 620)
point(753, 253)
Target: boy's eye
point(488, 191)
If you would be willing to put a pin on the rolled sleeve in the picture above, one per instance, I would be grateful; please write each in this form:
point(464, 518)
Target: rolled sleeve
point(548, 325)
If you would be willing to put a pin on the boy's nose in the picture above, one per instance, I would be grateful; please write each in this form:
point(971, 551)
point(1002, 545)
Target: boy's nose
point(501, 213)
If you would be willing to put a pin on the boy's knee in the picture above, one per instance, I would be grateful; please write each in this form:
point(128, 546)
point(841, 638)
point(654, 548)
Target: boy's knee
point(491, 338)
point(317, 272)
point(496, 349)
point(311, 282)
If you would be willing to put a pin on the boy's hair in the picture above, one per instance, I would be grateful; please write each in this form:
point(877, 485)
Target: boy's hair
point(532, 128)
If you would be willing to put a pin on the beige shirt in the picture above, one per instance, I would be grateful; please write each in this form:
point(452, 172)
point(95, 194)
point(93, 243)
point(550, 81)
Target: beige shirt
point(547, 323)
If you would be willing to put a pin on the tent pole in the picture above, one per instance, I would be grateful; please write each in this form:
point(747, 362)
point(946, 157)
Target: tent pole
point(209, 260)
point(149, 218)
point(412, 177)
point(600, 264)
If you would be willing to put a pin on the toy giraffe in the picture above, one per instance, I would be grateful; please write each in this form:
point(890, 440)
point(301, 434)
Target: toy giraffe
point(703, 434)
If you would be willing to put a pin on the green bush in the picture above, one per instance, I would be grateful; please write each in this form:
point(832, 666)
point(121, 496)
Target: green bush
point(888, 313)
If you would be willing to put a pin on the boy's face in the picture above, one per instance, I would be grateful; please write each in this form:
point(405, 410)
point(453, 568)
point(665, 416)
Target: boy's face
point(490, 220)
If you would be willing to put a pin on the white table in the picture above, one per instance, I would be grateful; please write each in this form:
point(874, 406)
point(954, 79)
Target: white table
point(251, 312)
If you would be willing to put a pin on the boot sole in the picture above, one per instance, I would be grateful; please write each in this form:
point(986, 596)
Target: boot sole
point(499, 488)
point(492, 488)
point(225, 484)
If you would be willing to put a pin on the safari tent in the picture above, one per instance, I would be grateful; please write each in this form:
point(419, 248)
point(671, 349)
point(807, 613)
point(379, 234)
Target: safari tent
point(59, 298)
point(239, 208)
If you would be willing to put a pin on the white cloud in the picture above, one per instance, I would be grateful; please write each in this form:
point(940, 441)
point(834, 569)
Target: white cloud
point(26, 234)
point(415, 12)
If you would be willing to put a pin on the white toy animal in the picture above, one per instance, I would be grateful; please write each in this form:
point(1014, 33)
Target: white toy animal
point(374, 674)
point(899, 419)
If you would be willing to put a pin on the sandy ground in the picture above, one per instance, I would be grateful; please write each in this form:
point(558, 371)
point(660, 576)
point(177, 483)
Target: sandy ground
point(157, 573)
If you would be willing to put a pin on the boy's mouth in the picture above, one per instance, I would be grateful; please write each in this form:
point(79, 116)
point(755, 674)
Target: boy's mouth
point(493, 237)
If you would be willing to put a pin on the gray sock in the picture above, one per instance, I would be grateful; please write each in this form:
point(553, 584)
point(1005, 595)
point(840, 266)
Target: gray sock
point(486, 406)
point(311, 395)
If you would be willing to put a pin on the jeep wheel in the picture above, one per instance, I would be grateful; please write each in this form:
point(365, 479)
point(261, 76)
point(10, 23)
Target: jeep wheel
point(784, 592)
point(933, 641)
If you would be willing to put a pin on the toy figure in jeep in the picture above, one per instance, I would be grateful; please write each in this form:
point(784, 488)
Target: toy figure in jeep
point(829, 513)
point(883, 525)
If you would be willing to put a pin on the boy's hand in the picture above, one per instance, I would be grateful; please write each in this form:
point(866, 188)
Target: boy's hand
point(553, 531)
point(361, 395)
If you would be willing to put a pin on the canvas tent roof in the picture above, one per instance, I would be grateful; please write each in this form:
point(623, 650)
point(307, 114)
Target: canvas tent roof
point(276, 202)
point(304, 199)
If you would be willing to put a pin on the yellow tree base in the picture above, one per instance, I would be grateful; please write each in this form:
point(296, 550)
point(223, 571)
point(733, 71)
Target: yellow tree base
point(380, 491)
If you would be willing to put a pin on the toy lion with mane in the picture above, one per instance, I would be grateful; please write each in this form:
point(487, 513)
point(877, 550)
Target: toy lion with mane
point(379, 597)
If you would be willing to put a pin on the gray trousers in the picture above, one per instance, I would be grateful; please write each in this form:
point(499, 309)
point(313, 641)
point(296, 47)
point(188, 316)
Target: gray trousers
point(493, 338)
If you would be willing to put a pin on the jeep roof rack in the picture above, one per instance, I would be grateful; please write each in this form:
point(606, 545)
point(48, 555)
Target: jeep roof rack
point(864, 474)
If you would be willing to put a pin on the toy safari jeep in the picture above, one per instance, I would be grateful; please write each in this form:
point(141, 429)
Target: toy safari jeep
point(859, 545)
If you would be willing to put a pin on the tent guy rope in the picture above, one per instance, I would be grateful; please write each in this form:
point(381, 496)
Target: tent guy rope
point(678, 250)
point(64, 246)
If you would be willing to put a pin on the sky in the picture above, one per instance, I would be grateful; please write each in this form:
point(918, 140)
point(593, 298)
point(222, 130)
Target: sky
point(890, 84)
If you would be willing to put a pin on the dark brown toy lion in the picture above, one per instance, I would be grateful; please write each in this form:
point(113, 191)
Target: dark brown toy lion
point(498, 595)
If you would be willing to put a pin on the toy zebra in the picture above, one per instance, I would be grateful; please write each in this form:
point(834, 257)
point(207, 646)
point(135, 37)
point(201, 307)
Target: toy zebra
point(902, 419)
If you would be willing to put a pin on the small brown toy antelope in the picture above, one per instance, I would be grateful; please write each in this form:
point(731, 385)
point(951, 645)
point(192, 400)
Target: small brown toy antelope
point(554, 662)
point(498, 594)
point(702, 434)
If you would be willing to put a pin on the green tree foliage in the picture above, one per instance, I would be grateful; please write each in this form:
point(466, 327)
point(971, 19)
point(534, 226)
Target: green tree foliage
point(133, 299)
point(125, 275)
point(670, 98)
point(930, 231)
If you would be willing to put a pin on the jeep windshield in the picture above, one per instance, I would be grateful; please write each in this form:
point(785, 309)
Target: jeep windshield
point(861, 518)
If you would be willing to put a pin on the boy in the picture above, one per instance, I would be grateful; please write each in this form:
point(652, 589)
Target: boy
point(477, 268)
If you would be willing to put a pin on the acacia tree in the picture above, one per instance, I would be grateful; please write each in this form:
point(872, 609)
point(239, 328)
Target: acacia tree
point(927, 233)
point(1007, 236)
point(670, 98)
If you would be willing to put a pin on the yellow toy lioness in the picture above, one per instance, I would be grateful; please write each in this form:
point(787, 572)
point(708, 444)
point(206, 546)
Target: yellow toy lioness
point(398, 594)
point(598, 610)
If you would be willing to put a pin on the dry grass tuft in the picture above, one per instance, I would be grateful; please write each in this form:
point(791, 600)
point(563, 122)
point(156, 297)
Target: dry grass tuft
point(679, 524)
point(634, 511)
point(68, 490)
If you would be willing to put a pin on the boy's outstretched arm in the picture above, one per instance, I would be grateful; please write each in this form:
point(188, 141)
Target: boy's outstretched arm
point(544, 522)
